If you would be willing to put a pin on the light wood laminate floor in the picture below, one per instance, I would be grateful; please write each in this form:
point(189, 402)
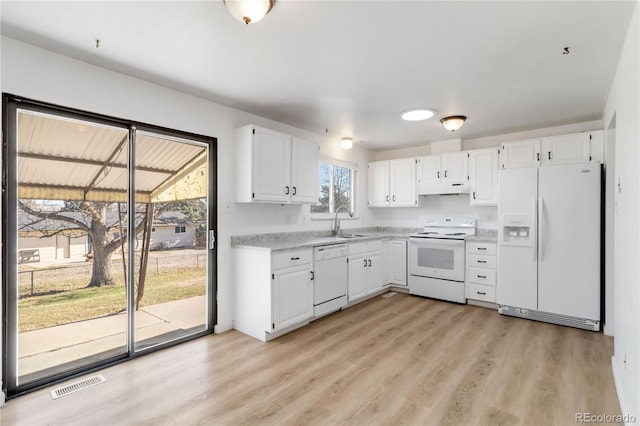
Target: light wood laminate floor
point(401, 360)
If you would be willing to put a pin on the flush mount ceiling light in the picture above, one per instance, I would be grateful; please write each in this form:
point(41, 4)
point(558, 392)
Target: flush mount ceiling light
point(453, 122)
point(418, 114)
point(249, 11)
point(346, 143)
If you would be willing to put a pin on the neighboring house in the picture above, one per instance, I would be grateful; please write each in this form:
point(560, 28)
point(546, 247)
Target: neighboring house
point(46, 241)
point(172, 230)
point(33, 247)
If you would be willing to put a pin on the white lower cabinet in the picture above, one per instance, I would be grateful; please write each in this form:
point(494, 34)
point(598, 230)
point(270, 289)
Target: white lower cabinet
point(274, 291)
point(395, 262)
point(292, 296)
point(366, 268)
point(481, 271)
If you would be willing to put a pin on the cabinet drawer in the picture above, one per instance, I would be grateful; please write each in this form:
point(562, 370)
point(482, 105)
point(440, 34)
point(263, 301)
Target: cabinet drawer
point(291, 258)
point(481, 248)
point(482, 276)
point(482, 261)
point(481, 292)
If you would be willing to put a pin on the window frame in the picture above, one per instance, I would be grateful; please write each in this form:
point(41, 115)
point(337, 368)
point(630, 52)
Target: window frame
point(354, 190)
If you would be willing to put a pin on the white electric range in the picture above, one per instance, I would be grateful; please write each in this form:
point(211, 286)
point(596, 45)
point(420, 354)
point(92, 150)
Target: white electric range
point(437, 258)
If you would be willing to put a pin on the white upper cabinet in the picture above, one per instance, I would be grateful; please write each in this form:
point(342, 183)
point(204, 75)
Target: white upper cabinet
point(443, 173)
point(428, 173)
point(273, 167)
point(454, 167)
point(392, 183)
point(378, 178)
point(483, 177)
point(596, 146)
point(520, 154)
point(304, 171)
point(402, 182)
point(565, 149)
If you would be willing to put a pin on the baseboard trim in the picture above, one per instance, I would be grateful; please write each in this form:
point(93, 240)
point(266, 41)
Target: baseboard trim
point(221, 328)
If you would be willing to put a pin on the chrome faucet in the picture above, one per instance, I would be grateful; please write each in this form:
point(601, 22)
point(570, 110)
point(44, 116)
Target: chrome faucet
point(336, 224)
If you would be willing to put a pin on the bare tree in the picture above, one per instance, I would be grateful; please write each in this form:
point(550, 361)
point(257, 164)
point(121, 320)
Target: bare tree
point(90, 218)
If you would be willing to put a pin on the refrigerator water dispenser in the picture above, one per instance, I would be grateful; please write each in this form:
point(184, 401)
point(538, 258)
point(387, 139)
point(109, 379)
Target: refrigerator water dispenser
point(516, 230)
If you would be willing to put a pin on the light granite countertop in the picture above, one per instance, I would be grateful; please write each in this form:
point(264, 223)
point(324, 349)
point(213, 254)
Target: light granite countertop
point(284, 241)
point(485, 236)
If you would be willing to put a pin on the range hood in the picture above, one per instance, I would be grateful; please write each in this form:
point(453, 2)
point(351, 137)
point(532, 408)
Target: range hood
point(444, 189)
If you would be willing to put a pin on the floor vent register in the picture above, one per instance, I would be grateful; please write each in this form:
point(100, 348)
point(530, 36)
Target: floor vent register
point(77, 386)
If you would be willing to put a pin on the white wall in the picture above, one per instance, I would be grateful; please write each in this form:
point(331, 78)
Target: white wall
point(623, 104)
point(45, 76)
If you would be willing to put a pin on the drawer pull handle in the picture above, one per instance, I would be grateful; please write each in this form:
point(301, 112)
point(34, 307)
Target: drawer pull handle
point(482, 276)
point(365, 263)
point(313, 276)
point(482, 248)
point(369, 262)
point(482, 293)
point(482, 261)
point(295, 258)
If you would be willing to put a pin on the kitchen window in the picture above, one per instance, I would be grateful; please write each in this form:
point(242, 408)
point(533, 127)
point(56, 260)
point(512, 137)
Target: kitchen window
point(336, 187)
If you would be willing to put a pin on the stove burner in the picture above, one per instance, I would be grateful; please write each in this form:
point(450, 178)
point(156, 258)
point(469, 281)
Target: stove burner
point(428, 233)
point(456, 233)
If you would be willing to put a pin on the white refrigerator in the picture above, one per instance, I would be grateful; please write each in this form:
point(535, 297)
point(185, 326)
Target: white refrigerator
point(549, 241)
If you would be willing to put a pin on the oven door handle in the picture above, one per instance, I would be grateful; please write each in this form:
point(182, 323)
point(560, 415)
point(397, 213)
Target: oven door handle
point(435, 242)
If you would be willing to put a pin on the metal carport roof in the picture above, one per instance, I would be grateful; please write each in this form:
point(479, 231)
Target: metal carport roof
point(67, 159)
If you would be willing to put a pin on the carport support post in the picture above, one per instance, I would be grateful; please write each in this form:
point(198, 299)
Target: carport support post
point(31, 283)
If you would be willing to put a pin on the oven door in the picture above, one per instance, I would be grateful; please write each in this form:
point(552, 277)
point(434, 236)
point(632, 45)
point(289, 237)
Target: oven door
point(436, 258)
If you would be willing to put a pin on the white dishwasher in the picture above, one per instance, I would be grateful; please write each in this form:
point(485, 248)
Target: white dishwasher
point(330, 278)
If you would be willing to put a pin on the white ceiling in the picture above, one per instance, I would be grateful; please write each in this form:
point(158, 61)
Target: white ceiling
point(353, 66)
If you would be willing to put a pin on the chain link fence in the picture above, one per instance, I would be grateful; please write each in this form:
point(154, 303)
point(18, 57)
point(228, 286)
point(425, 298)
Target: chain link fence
point(54, 280)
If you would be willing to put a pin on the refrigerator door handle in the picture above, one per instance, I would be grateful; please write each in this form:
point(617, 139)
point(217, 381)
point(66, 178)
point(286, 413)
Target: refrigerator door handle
point(541, 226)
point(532, 232)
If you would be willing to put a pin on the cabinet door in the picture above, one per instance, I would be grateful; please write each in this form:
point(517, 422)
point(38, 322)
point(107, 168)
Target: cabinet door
point(428, 173)
point(379, 184)
point(565, 149)
point(454, 167)
point(596, 145)
point(357, 276)
point(304, 171)
point(520, 154)
point(271, 166)
point(483, 177)
point(402, 181)
point(375, 271)
point(399, 259)
point(387, 254)
point(292, 296)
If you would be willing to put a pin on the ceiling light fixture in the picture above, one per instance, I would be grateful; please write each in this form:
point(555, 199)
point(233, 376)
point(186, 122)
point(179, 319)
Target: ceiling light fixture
point(453, 122)
point(249, 11)
point(346, 143)
point(418, 114)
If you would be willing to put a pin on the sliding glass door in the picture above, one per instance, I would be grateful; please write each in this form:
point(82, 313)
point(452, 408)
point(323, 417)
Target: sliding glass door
point(106, 247)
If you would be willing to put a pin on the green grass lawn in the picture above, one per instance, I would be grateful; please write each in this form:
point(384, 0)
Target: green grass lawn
point(81, 303)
